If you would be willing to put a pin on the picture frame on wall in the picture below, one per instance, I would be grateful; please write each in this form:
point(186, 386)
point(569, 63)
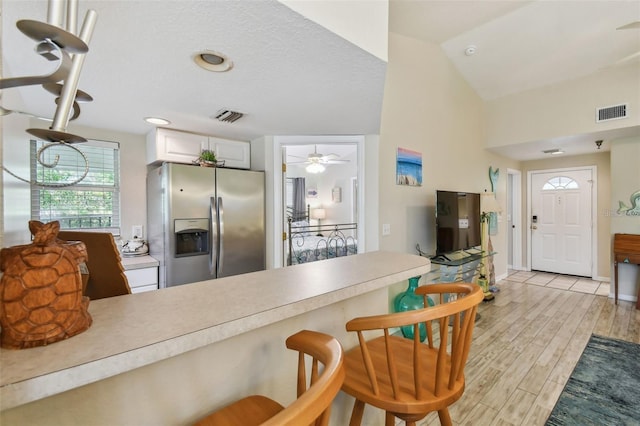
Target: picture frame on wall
point(408, 167)
point(336, 194)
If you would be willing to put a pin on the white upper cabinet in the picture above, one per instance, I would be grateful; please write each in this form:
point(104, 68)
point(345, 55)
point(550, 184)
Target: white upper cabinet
point(235, 154)
point(182, 147)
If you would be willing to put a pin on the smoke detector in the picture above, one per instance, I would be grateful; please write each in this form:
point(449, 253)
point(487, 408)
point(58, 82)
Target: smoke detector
point(470, 50)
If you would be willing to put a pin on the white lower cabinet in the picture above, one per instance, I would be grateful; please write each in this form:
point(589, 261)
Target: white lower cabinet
point(144, 279)
point(141, 272)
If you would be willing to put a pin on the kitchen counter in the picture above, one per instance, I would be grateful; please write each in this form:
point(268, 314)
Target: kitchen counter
point(138, 262)
point(137, 330)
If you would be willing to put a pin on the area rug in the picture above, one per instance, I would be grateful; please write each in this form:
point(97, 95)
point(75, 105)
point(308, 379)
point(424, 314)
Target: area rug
point(604, 388)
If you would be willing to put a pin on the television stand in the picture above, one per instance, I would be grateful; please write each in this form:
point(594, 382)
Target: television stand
point(440, 258)
point(461, 266)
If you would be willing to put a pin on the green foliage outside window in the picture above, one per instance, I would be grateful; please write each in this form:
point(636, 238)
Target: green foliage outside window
point(91, 203)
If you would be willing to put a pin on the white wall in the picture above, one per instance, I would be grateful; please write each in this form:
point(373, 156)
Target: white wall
point(564, 109)
point(363, 23)
point(429, 108)
point(625, 181)
point(337, 175)
point(17, 194)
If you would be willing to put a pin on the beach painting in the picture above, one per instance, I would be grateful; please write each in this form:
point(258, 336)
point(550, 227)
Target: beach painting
point(408, 167)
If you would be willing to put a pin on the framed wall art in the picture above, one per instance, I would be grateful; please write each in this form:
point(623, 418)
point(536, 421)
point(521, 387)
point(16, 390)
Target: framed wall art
point(408, 167)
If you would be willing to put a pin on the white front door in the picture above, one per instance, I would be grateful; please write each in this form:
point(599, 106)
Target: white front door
point(561, 221)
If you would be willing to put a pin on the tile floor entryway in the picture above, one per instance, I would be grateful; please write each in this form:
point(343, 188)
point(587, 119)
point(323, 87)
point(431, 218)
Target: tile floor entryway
point(562, 282)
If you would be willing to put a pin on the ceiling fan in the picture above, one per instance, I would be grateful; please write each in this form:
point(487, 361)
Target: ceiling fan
point(316, 161)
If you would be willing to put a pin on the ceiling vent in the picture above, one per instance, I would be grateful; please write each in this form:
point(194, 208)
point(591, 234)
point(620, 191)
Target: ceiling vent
point(227, 116)
point(614, 112)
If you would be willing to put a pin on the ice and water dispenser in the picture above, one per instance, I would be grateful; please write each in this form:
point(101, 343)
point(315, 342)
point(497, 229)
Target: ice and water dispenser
point(191, 237)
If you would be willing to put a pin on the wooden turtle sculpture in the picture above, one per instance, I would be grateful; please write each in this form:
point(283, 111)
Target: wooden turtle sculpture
point(41, 299)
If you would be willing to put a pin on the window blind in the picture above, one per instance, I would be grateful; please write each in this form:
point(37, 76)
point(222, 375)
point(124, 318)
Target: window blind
point(92, 203)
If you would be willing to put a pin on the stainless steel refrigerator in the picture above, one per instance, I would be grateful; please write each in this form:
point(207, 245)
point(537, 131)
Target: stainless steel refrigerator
point(205, 222)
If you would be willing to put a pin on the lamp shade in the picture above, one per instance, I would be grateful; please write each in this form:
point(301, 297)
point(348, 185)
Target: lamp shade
point(488, 203)
point(318, 214)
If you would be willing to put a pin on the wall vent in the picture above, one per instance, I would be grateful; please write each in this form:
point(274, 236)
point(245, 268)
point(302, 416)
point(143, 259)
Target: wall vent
point(227, 116)
point(614, 112)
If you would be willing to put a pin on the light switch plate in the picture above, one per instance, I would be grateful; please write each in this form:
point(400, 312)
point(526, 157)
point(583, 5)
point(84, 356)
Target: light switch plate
point(137, 231)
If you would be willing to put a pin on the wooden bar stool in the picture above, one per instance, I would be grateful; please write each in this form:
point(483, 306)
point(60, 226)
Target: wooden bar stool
point(406, 378)
point(313, 403)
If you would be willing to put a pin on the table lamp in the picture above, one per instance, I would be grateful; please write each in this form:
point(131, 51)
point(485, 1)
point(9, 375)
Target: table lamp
point(318, 214)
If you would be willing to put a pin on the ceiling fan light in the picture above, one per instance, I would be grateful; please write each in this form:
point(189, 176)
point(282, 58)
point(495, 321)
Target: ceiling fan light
point(315, 168)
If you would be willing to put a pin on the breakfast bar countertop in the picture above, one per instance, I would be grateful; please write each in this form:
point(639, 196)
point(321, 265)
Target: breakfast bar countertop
point(135, 330)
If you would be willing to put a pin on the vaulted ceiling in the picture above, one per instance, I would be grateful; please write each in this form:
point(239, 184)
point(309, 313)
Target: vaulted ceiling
point(292, 76)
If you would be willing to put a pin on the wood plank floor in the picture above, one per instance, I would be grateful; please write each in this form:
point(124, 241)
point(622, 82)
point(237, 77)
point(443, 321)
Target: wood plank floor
point(525, 347)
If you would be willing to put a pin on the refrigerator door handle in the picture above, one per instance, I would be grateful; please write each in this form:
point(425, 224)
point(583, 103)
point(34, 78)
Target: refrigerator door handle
point(214, 237)
point(220, 237)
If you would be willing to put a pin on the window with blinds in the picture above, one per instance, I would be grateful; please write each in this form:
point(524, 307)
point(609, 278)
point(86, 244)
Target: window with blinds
point(92, 203)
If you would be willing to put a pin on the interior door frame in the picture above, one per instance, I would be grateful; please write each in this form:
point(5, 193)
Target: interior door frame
point(594, 211)
point(279, 201)
point(515, 199)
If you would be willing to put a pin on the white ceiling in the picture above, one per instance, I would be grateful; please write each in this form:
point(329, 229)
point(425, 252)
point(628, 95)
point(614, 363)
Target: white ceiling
point(291, 76)
point(523, 45)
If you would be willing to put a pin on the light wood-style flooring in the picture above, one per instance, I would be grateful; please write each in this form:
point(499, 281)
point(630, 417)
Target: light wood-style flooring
point(526, 345)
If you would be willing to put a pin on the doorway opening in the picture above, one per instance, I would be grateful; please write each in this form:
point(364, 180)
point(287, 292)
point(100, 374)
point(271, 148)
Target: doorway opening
point(317, 200)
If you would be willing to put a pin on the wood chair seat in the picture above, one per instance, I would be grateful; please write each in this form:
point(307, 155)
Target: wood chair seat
point(406, 378)
point(315, 391)
point(405, 401)
point(253, 410)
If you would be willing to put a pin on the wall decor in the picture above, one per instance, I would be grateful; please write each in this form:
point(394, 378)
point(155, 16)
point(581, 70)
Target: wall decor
point(408, 167)
point(336, 194)
point(634, 208)
point(493, 217)
point(312, 192)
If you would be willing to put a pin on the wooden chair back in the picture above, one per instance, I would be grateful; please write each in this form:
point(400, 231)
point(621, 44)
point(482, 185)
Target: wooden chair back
point(407, 378)
point(106, 274)
point(316, 388)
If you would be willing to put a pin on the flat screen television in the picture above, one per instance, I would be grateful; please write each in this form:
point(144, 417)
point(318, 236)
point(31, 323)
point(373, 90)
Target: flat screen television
point(457, 221)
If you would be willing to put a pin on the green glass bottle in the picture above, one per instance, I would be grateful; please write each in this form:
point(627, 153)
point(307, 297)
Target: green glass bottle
point(409, 301)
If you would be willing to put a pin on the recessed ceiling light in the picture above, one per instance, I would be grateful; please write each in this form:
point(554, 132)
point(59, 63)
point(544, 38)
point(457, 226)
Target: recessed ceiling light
point(156, 120)
point(213, 61)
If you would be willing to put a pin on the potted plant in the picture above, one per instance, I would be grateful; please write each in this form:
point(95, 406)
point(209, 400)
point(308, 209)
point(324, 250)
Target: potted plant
point(207, 158)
